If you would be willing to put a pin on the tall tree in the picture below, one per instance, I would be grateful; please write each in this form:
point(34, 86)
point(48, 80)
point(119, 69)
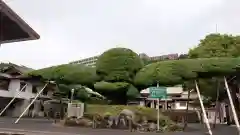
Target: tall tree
point(169, 73)
point(218, 45)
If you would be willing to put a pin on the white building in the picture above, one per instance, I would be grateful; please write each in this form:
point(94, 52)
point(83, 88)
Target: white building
point(176, 99)
point(87, 61)
point(11, 82)
point(91, 61)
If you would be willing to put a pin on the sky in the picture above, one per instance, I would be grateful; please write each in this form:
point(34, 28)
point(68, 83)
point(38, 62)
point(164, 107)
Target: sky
point(75, 29)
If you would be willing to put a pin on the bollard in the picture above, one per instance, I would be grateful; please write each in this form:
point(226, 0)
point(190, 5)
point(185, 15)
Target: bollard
point(94, 122)
point(130, 125)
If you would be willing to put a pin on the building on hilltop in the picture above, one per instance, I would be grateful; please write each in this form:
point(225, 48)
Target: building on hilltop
point(173, 56)
point(91, 61)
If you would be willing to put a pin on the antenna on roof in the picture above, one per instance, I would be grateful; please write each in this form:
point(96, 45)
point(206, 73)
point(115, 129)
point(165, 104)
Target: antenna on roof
point(216, 28)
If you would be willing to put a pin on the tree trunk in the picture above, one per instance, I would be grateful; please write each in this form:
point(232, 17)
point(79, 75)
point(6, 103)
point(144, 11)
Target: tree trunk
point(216, 104)
point(227, 114)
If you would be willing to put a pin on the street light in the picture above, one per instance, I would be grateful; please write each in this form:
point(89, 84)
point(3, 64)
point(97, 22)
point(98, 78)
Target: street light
point(72, 92)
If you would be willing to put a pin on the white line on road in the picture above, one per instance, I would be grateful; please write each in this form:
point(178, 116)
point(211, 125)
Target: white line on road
point(35, 131)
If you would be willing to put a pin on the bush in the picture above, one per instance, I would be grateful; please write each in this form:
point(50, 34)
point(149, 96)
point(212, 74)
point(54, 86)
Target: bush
point(112, 91)
point(177, 71)
point(133, 92)
point(118, 65)
point(68, 74)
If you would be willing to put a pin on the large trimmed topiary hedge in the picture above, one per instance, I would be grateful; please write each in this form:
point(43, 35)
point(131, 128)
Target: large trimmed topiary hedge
point(177, 71)
point(118, 65)
point(68, 74)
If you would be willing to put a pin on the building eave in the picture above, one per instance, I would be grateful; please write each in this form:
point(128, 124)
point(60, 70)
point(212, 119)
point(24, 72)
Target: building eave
point(4, 8)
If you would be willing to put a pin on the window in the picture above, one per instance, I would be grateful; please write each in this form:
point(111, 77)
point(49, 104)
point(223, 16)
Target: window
point(45, 92)
point(4, 84)
point(22, 84)
point(176, 96)
point(182, 104)
point(34, 89)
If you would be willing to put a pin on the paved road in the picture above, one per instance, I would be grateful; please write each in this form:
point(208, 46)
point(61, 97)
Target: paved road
point(35, 126)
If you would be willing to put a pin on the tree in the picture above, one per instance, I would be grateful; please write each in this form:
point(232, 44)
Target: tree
point(178, 71)
point(114, 91)
point(116, 69)
point(132, 92)
point(118, 65)
point(82, 95)
point(218, 45)
point(183, 56)
point(68, 74)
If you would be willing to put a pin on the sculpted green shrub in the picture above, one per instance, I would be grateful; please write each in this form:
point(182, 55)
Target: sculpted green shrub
point(178, 71)
point(68, 74)
point(118, 65)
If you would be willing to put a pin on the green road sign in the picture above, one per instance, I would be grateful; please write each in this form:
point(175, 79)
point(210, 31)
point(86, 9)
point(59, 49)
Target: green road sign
point(158, 92)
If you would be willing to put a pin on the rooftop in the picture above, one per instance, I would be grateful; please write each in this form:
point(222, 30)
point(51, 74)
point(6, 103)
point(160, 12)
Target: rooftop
point(12, 27)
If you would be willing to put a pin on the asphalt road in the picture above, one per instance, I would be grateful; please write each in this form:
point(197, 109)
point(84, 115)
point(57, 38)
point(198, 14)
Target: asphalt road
point(37, 126)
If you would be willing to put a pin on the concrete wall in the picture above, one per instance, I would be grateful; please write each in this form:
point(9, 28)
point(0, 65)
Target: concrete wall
point(14, 87)
point(180, 105)
point(19, 108)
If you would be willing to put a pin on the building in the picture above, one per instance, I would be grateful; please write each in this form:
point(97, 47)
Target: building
point(176, 99)
point(15, 29)
point(12, 27)
point(173, 56)
point(91, 61)
point(87, 61)
point(143, 56)
point(12, 81)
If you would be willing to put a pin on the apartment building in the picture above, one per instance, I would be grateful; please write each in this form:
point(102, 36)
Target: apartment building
point(91, 61)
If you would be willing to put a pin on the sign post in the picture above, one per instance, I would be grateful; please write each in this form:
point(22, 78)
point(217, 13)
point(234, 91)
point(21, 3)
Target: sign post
point(158, 93)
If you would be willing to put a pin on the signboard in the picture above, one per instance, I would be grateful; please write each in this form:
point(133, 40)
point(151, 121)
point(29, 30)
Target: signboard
point(75, 110)
point(158, 92)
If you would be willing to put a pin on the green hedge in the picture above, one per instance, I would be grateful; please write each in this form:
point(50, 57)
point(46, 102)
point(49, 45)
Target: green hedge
point(118, 65)
point(177, 71)
point(68, 74)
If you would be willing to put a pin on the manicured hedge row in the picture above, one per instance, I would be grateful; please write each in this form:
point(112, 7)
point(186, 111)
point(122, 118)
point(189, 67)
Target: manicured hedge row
point(177, 71)
point(68, 74)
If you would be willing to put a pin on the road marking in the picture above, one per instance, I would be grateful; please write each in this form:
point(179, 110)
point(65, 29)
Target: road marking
point(35, 131)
